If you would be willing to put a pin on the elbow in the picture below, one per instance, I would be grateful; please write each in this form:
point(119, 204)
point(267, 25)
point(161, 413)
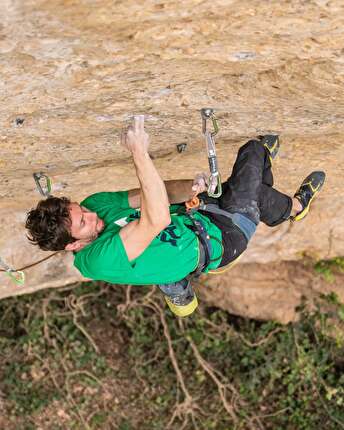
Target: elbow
point(167, 221)
point(157, 225)
point(163, 223)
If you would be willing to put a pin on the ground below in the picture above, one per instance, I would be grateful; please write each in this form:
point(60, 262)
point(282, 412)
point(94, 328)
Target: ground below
point(100, 356)
point(74, 72)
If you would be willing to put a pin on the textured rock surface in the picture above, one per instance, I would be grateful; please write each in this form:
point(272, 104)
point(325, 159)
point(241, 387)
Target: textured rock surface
point(268, 291)
point(73, 72)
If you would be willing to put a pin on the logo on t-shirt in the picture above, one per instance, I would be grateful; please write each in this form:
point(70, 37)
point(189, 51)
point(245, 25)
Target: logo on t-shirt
point(122, 222)
point(167, 235)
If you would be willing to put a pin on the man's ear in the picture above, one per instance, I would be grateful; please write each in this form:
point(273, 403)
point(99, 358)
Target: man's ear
point(75, 246)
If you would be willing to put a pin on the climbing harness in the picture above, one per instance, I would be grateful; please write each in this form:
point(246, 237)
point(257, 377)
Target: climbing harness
point(180, 296)
point(17, 276)
point(43, 183)
point(215, 177)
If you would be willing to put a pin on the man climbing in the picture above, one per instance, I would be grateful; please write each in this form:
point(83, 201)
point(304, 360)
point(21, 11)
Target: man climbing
point(145, 236)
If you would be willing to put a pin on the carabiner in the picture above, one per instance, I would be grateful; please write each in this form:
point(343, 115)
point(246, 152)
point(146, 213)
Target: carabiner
point(17, 276)
point(44, 189)
point(215, 177)
point(208, 113)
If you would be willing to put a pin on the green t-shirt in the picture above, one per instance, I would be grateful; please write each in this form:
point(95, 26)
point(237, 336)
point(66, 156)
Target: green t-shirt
point(171, 255)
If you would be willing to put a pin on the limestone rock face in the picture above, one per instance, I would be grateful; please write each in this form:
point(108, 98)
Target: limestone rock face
point(73, 73)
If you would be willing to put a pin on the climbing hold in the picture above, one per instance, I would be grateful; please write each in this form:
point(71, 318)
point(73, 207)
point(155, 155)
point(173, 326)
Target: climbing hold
point(181, 147)
point(19, 121)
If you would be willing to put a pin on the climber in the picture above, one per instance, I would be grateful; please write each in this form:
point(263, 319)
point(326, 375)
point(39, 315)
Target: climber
point(144, 236)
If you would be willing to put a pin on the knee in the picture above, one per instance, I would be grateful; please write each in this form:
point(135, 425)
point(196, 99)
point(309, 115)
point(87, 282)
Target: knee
point(252, 145)
point(272, 221)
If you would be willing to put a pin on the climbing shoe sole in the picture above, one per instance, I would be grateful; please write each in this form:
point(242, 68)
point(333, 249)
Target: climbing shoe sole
point(182, 310)
point(271, 143)
point(307, 191)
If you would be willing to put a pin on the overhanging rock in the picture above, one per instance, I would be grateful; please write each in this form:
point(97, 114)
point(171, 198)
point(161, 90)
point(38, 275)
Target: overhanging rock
point(72, 74)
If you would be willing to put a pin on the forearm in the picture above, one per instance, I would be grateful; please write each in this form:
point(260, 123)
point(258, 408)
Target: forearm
point(153, 196)
point(178, 191)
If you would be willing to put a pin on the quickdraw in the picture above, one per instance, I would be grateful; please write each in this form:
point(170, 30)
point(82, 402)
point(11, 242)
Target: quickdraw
point(17, 276)
point(45, 187)
point(215, 178)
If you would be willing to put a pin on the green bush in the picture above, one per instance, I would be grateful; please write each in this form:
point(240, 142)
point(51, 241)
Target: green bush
point(271, 376)
point(328, 268)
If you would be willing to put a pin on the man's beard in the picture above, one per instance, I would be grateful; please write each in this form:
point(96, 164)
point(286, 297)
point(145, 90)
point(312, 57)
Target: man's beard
point(94, 236)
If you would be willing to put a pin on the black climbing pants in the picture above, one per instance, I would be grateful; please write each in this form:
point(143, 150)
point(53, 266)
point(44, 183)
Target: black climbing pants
point(249, 191)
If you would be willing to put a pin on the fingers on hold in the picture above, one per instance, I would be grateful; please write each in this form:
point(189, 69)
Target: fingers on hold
point(139, 122)
point(123, 136)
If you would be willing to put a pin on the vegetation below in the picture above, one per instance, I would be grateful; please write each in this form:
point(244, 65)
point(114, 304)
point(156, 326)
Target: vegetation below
point(100, 356)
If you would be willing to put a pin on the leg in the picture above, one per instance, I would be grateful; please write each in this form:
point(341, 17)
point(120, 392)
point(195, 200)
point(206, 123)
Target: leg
point(242, 190)
point(275, 207)
point(180, 297)
point(249, 189)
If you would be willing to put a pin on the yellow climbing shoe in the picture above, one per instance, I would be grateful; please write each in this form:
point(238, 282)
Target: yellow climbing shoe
point(307, 191)
point(271, 143)
point(182, 310)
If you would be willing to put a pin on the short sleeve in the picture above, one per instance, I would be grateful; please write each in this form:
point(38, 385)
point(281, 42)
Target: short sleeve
point(104, 260)
point(118, 199)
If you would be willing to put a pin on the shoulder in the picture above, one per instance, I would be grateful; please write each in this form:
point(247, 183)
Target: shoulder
point(103, 255)
point(116, 199)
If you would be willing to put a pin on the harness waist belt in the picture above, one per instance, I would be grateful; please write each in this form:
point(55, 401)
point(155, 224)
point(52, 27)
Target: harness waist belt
point(245, 225)
point(204, 244)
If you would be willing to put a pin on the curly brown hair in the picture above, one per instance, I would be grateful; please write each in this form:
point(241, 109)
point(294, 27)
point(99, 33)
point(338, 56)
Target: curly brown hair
point(49, 224)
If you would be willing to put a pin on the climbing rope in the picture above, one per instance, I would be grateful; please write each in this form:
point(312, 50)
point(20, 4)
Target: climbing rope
point(44, 185)
point(17, 275)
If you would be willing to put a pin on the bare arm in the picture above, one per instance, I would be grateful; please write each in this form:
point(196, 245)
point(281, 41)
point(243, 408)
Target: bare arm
point(155, 215)
point(153, 195)
point(178, 191)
